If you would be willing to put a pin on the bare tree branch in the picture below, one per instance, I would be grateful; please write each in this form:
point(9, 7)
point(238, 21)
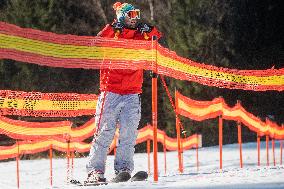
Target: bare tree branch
point(151, 9)
point(101, 11)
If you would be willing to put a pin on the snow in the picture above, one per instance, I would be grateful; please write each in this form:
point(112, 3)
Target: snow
point(35, 173)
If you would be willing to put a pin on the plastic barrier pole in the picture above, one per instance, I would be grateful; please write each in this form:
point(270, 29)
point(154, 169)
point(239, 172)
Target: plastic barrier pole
point(240, 143)
point(18, 167)
point(267, 150)
point(281, 148)
point(72, 162)
point(179, 146)
point(197, 159)
point(258, 150)
point(50, 161)
point(273, 152)
point(155, 110)
point(165, 153)
point(68, 159)
point(148, 152)
point(221, 140)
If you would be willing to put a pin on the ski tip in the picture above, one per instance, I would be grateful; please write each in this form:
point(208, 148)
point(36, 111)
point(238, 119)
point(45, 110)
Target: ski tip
point(78, 183)
point(140, 176)
point(121, 177)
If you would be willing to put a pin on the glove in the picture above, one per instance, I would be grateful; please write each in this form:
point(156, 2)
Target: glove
point(117, 26)
point(143, 27)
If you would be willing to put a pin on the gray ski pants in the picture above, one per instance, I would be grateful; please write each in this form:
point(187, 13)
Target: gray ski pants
point(125, 109)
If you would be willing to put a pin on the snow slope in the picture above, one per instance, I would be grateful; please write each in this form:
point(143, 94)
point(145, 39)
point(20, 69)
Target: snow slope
point(35, 173)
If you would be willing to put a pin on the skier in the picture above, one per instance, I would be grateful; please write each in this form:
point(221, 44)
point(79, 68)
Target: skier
point(119, 99)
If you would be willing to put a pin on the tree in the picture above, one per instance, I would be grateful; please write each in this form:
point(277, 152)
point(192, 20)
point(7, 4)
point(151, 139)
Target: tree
point(238, 34)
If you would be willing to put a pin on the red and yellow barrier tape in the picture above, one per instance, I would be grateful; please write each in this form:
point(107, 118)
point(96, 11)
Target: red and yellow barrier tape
point(60, 144)
point(24, 130)
point(171, 143)
point(46, 104)
point(201, 110)
point(69, 51)
point(33, 130)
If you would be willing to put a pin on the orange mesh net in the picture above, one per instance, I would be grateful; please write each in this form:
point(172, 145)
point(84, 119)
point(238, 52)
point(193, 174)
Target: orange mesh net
point(201, 110)
point(69, 51)
point(46, 104)
point(24, 130)
point(61, 144)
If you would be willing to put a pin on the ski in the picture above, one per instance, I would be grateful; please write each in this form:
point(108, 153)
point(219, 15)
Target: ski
point(79, 183)
point(139, 176)
point(121, 177)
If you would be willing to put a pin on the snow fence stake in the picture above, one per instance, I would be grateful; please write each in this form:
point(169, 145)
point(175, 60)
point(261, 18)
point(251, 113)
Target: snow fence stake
point(273, 151)
point(17, 160)
point(154, 107)
point(197, 159)
point(165, 154)
point(68, 160)
point(258, 150)
point(50, 161)
point(281, 148)
point(72, 162)
point(221, 139)
point(178, 141)
point(267, 150)
point(240, 143)
point(148, 152)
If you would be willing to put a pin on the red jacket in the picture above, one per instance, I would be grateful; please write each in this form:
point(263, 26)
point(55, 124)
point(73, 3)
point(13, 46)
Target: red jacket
point(123, 81)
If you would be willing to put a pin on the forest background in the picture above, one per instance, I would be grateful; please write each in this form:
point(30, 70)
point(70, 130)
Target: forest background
point(239, 34)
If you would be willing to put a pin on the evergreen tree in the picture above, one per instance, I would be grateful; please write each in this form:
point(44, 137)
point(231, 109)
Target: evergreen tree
point(238, 34)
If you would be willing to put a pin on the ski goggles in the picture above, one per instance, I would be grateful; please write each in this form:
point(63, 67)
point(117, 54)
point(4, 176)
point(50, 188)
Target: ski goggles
point(133, 14)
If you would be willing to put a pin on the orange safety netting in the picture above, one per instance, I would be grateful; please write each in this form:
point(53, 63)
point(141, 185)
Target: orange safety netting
point(36, 130)
point(24, 130)
point(69, 51)
point(144, 134)
point(170, 143)
point(201, 110)
point(46, 104)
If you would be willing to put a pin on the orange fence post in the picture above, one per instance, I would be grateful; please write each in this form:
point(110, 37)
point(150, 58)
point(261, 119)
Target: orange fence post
point(155, 119)
point(165, 153)
point(18, 166)
point(197, 160)
point(68, 159)
point(155, 110)
point(179, 146)
point(50, 161)
point(267, 150)
point(148, 152)
point(281, 148)
point(273, 152)
point(72, 162)
point(240, 143)
point(221, 140)
point(258, 149)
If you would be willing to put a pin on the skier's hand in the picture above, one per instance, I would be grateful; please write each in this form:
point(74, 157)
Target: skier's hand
point(118, 26)
point(143, 27)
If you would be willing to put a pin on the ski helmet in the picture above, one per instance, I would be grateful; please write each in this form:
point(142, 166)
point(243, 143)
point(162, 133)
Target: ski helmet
point(125, 9)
